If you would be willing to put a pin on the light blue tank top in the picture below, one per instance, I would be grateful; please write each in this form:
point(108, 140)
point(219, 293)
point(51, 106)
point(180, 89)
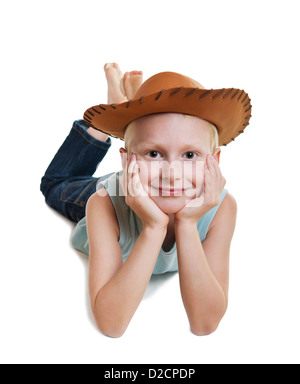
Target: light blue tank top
point(131, 226)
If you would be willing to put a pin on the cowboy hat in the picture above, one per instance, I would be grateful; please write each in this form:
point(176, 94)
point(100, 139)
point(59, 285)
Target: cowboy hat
point(228, 109)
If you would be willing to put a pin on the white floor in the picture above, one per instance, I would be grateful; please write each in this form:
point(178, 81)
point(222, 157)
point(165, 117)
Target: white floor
point(51, 74)
point(45, 316)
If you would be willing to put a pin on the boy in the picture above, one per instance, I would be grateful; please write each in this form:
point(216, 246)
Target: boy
point(167, 210)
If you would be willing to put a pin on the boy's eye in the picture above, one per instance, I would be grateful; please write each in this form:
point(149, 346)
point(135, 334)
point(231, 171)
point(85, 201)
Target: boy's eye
point(190, 155)
point(153, 154)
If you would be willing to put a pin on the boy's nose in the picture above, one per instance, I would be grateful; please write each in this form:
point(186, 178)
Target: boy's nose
point(171, 172)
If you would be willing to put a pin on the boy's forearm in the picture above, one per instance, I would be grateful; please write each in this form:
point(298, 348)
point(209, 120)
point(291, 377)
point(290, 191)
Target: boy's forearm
point(118, 300)
point(203, 298)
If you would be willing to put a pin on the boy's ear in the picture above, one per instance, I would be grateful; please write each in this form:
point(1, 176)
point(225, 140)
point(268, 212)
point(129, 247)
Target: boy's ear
point(217, 154)
point(123, 154)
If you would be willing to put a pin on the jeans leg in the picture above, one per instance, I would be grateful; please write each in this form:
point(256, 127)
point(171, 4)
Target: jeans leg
point(68, 181)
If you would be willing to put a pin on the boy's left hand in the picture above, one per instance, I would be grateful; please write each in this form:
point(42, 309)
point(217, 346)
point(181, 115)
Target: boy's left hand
point(214, 183)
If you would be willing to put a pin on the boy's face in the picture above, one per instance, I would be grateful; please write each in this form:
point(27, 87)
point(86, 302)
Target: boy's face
point(171, 150)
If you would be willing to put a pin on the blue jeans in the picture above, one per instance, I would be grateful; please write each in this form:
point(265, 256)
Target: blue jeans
point(68, 182)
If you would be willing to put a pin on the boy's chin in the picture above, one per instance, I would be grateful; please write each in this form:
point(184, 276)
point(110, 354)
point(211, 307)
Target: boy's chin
point(170, 205)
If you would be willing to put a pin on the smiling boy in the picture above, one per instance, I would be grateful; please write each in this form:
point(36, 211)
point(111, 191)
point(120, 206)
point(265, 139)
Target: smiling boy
point(173, 212)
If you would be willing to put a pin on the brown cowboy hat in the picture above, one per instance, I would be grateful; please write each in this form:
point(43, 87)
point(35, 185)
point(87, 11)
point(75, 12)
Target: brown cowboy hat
point(228, 109)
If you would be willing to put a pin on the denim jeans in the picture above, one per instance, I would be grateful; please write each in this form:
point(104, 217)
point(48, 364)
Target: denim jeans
point(68, 182)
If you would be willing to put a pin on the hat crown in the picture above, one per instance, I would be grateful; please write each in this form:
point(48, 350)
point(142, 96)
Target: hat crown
point(166, 80)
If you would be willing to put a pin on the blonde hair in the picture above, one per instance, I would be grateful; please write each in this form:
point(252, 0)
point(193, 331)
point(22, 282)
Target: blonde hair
point(214, 138)
point(129, 134)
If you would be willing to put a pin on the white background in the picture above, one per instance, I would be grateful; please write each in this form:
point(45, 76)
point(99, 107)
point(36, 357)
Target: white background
point(53, 54)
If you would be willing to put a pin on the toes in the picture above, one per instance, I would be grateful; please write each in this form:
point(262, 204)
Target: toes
point(136, 73)
point(132, 82)
point(107, 66)
point(133, 73)
point(114, 66)
point(127, 75)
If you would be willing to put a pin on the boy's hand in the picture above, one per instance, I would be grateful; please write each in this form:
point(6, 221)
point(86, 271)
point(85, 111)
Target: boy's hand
point(214, 183)
point(138, 199)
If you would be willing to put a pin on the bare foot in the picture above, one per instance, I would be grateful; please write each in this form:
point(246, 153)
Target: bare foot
point(132, 82)
point(115, 93)
point(119, 90)
point(115, 88)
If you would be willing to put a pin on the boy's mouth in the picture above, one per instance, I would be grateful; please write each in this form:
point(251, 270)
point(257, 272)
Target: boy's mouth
point(167, 191)
point(171, 191)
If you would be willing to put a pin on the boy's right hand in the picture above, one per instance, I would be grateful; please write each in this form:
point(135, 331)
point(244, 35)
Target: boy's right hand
point(138, 199)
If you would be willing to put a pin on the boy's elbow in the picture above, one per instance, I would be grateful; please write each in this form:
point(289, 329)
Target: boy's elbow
point(110, 328)
point(113, 333)
point(207, 326)
point(204, 329)
point(109, 323)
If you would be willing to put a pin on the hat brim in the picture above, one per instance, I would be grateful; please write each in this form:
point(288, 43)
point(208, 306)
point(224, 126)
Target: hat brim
point(228, 109)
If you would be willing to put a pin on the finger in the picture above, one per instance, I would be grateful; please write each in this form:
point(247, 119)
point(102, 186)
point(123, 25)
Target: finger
point(207, 178)
point(130, 166)
point(217, 168)
point(131, 163)
point(209, 186)
point(211, 164)
point(220, 178)
point(216, 173)
point(130, 175)
point(223, 182)
point(132, 182)
point(136, 187)
point(124, 177)
point(196, 203)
